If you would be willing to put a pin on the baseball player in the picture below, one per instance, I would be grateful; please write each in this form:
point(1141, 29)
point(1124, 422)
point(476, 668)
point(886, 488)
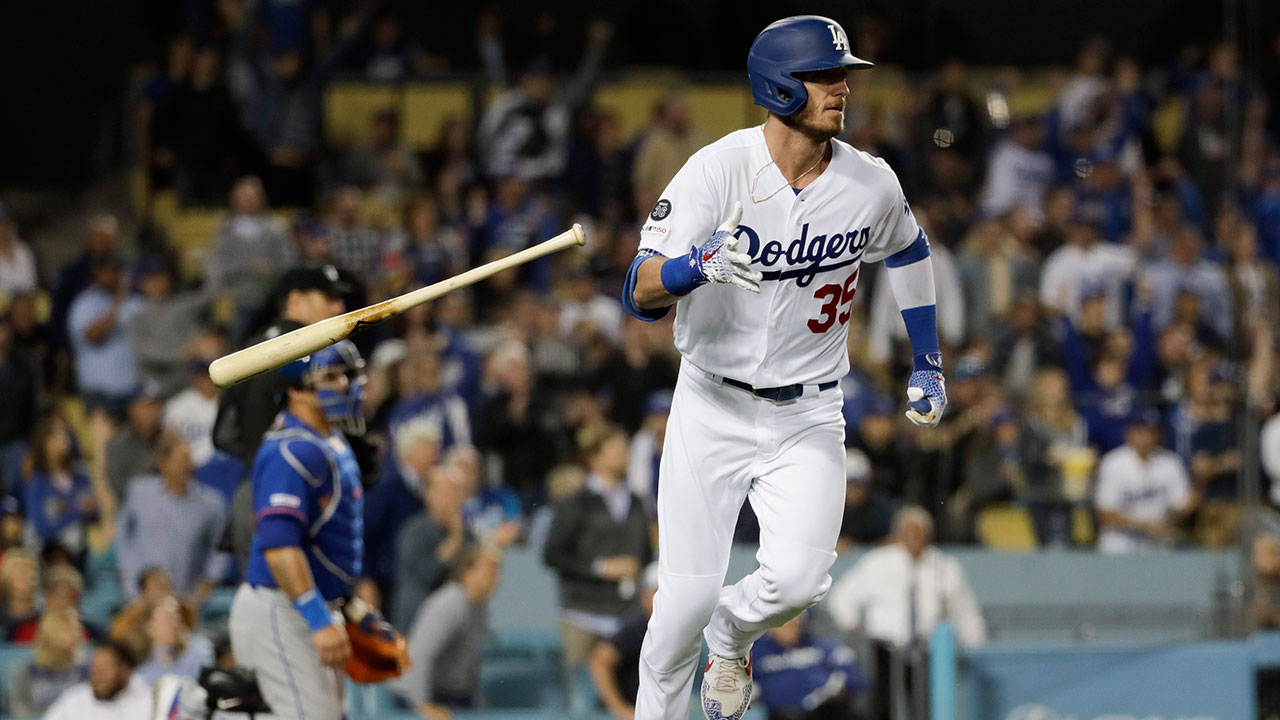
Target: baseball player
point(762, 310)
point(308, 545)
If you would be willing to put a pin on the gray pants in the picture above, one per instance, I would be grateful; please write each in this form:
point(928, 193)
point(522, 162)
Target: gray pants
point(269, 636)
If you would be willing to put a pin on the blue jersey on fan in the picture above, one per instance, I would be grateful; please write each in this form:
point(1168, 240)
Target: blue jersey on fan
point(307, 493)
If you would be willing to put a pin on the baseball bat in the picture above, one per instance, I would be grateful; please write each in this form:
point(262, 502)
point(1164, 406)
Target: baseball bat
point(277, 351)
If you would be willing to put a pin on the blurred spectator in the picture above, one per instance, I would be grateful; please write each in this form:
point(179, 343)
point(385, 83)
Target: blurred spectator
point(19, 386)
point(1083, 264)
point(1255, 286)
point(129, 626)
point(525, 130)
point(1059, 460)
point(646, 450)
point(427, 544)
point(663, 149)
point(1142, 491)
point(994, 468)
point(174, 647)
point(131, 450)
point(192, 413)
point(1018, 171)
point(158, 161)
point(101, 243)
point(868, 512)
point(162, 331)
point(448, 636)
point(383, 165)
point(31, 336)
point(172, 522)
point(105, 360)
point(357, 245)
point(451, 160)
point(111, 692)
point(803, 676)
point(897, 593)
point(598, 544)
point(1269, 450)
point(424, 397)
point(1186, 271)
point(19, 582)
point(515, 219)
point(249, 253)
point(60, 501)
point(63, 588)
point(397, 497)
point(57, 663)
point(1213, 455)
point(1077, 101)
point(17, 262)
point(492, 512)
point(585, 310)
point(886, 450)
point(950, 118)
point(563, 481)
point(513, 423)
point(305, 295)
point(1022, 345)
point(596, 173)
point(1264, 611)
point(996, 267)
point(281, 95)
point(615, 661)
point(425, 251)
point(391, 56)
point(634, 371)
point(197, 130)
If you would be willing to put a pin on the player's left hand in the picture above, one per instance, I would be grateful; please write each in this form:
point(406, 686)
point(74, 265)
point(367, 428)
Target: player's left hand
point(927, 391)
point(719, 261)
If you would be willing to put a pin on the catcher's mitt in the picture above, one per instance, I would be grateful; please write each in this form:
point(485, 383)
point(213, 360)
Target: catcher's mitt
point(378, 652)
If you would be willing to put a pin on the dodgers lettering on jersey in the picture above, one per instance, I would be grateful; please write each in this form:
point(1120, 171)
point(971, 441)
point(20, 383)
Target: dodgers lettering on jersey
point(316, 481)
point(809, 247)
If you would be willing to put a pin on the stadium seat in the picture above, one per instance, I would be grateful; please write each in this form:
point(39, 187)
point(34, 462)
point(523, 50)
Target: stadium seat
point(1006, 527)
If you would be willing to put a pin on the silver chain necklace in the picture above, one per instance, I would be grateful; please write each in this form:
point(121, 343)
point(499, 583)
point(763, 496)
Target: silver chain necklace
point(791, 182)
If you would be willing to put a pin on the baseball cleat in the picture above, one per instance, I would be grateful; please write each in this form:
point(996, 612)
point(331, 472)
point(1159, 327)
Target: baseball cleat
point(726, 687)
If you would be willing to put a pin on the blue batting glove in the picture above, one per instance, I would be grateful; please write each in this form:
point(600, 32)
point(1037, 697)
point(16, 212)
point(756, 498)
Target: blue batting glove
point(927, 391)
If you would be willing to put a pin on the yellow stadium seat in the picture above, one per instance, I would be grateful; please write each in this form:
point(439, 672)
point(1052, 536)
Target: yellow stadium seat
point(72, 409)
point(350, 107)
point(1006, 527)
point(427, 107)
point(191, 235)
point(1167, 122)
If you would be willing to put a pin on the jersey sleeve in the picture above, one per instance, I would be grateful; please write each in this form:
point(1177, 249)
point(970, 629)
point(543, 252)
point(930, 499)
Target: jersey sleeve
point(898, 231)
point(287, 480)
point(687, 213)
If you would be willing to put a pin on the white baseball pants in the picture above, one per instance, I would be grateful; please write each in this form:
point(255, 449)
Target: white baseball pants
point(722, 446)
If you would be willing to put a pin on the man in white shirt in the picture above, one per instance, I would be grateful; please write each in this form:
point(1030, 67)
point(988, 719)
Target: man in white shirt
point(897, 593)
point(193, 412)
point(111, 693)
point(1084, 261)
point(1141, 488)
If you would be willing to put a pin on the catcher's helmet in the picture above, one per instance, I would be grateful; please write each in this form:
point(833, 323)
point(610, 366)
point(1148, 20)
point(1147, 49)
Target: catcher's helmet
point(341, 404)
point(791, 45)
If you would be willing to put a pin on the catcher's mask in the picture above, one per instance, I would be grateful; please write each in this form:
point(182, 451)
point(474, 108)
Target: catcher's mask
point(336, 374)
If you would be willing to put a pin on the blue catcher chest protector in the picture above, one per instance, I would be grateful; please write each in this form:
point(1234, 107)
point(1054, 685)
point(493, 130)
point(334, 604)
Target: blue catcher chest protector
point(802, 43)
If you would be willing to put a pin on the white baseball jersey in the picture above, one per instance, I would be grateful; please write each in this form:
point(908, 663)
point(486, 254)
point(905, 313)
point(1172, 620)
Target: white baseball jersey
point(808, 245)
point(1141, 489)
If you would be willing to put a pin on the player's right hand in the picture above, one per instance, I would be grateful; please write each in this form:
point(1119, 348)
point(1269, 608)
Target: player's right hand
point(719, 261)
point(333, 645)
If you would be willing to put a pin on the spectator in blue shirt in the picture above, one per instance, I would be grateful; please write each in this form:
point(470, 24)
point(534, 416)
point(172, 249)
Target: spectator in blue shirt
point(423, 396)
point(492, 512)
point(171, 521)
point(801, 676)
point(59, 498)
point(97, 326)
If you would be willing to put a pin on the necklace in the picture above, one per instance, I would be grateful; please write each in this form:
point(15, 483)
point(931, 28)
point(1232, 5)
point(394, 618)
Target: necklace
point(791, 182)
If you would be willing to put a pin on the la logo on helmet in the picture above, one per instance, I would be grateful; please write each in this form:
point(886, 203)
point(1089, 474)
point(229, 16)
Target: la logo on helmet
point(838, 38)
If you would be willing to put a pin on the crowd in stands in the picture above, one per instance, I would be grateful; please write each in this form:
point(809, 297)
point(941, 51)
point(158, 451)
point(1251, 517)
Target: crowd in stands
point(1108, 299)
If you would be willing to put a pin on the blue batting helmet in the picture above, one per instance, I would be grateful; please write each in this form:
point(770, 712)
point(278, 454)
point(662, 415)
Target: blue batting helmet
point(796, 44)
point(340, 405)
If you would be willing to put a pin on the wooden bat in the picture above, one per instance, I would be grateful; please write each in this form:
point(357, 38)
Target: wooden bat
point(277, 351)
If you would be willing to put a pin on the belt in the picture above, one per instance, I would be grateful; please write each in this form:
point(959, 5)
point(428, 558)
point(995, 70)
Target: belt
point(781, 394)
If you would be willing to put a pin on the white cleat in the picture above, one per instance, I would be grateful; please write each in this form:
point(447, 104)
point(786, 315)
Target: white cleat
point(726, 688)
